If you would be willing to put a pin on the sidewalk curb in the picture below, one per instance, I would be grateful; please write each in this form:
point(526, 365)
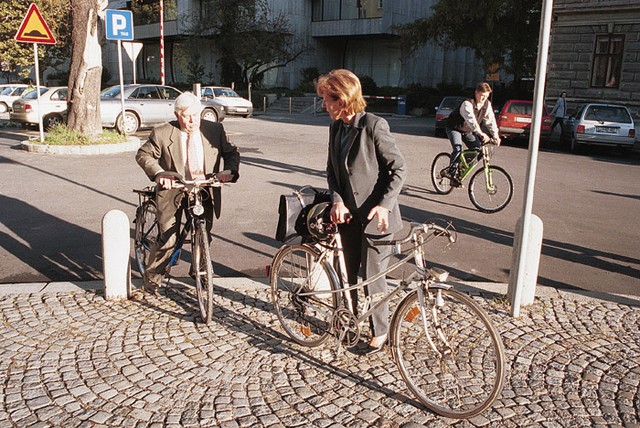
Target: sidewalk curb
point(239, 283)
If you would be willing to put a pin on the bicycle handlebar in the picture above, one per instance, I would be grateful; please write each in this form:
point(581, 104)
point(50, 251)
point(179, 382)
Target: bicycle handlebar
point(212, 181)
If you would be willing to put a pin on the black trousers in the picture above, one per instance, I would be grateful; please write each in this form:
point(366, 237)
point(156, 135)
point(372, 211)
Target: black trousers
point(361, 254)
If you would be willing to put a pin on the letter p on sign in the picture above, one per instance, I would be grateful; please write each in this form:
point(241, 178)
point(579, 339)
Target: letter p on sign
point(119, 24)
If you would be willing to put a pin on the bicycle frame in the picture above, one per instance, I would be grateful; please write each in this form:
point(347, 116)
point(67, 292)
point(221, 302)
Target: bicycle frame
point(469, 160)
point(429, 278)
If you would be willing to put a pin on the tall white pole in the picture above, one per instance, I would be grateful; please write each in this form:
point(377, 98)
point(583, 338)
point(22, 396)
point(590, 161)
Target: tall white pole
point(162, 80)
point(534, 139)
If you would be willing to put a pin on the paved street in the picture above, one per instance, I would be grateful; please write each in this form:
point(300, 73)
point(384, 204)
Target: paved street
point(53, 205)
point(71, 359)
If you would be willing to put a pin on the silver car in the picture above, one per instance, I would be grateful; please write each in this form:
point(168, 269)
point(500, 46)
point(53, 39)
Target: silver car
point(601, 124)
point(11, 92)
point(53, 102)
point(231, 102)
point(145, 105)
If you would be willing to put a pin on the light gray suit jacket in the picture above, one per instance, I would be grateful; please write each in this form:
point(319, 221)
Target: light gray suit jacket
point(376, 169)
point(163, 152)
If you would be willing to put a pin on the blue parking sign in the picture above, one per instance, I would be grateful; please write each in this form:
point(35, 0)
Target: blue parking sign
point(119, 24)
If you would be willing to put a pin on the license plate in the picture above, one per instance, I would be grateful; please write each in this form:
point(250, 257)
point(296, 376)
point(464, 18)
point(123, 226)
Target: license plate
point(241, 109)
point(606, 129)
point(523, 119)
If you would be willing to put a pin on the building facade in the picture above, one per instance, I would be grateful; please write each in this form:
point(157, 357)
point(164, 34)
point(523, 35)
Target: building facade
point(594, 54)
point(353, 34)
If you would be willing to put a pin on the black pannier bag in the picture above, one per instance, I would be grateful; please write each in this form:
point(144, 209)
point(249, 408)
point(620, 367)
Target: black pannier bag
point(293, 209)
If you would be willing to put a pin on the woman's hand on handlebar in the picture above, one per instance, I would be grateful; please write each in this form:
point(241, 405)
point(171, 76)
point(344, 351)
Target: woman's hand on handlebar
point(340, 213)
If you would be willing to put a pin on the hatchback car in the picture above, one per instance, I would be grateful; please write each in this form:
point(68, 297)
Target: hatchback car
point(514, 120)
point(53, 102)
point(231, 102)
point(601, 124)
point(443, 111)
point(145, 105)
point(11, 92)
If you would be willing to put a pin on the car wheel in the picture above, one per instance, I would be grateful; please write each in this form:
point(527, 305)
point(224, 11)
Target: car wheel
point(209, 114)
point(51, 120)
point(3, 108)
point(130, 125)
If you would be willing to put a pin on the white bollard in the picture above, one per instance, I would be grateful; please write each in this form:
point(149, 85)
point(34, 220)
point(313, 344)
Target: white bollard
point(115, 255)
point(532, 262)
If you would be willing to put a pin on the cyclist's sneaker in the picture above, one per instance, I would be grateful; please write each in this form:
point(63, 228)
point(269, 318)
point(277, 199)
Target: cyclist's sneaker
point(455, 182)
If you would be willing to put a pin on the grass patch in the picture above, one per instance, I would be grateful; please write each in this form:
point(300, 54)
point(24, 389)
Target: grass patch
point(60, 135)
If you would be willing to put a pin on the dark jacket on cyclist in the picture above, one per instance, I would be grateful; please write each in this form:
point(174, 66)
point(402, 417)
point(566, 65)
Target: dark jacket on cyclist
point(467, 118)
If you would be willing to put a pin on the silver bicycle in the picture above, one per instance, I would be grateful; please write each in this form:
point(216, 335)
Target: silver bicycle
point(447, 350)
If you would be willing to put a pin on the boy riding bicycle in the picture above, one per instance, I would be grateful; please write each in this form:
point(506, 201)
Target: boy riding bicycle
point(464, 125)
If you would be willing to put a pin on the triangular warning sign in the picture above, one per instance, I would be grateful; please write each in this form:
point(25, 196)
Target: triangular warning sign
point(33, 28)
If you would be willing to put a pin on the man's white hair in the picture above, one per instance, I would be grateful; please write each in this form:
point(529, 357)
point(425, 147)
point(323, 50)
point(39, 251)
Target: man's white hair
point(187, 101)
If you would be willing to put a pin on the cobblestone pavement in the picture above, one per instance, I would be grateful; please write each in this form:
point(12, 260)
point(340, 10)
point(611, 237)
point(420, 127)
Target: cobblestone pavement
point(72, 359)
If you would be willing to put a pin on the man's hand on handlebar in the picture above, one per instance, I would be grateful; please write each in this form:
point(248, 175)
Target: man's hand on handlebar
point(225, 176)
point(167, 179)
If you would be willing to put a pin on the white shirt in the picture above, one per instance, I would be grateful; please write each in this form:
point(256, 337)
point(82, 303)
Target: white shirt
point(197, 140)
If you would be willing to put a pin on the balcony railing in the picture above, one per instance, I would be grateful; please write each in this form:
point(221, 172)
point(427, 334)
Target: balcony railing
point(337, 10)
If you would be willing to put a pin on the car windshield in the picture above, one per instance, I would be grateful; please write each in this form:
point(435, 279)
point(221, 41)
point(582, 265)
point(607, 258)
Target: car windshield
point(111, 92)
point(608, 114)
point(520, 108)
point(33, 94)
point(225, 92)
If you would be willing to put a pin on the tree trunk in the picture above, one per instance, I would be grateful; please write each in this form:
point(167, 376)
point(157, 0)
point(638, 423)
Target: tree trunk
point(85, 73)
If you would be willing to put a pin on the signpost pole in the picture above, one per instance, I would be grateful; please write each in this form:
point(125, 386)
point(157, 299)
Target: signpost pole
point(124, 128)
point(35, 54)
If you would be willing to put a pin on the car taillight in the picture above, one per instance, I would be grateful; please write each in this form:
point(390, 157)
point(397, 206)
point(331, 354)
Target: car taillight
point(632, 133)
point(27, 107)
point(580, 129)
point(440, 116)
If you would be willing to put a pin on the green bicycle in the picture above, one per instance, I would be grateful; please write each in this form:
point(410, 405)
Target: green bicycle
point(490, 187)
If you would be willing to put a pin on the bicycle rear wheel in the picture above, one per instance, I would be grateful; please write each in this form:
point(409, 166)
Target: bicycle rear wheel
point(466, 375)
point(490, 193)
point(296, 273)
point(440, 183)
point(203, 270)
point(146, 233)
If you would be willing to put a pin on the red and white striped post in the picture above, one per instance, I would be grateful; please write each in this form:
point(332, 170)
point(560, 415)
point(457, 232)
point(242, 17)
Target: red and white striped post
point(162, 42)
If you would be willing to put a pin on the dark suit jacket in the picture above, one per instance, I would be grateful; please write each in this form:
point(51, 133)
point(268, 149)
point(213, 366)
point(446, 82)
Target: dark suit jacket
point(163, 152)
point(375, 166)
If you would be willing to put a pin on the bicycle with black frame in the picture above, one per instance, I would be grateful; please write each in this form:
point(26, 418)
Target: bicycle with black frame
point(192, 230)
point(490, 187)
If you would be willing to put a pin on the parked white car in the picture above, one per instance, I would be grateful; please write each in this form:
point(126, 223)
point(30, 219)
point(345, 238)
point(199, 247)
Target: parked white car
point(228, 99)
point(11, 92)
point(53, 102)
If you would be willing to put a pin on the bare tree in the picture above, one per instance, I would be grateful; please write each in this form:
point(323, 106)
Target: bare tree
point(83, 105)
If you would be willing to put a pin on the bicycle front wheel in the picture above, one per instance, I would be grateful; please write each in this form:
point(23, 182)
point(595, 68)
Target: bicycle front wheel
point(203, 270)
point(491, 191)
point(301, 286)
point(440, 183)
point(448, 352)
point(146, 233)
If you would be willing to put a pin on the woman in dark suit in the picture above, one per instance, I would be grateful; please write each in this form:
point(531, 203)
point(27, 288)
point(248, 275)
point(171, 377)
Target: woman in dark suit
point(365, 173)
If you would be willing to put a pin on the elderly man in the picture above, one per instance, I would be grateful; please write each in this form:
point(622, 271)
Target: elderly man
point(191, 148)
